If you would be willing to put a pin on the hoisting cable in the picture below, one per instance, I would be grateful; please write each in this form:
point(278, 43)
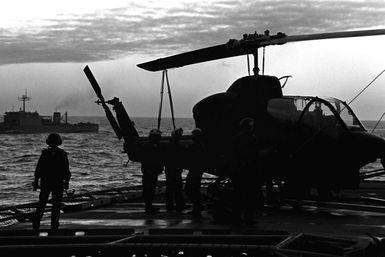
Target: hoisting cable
point(165, 79)
point(378, 122)
point(366, 87)
point(263, 61)
point(170, 98)
point(161, 101)
point(362, 90)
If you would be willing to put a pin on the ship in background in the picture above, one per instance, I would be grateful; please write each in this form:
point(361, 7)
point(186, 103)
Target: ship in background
point(31, 122)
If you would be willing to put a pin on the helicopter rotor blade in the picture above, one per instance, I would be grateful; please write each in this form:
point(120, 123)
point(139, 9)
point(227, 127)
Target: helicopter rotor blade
point(197, 56)
point(94, 83)
point(112, 121)
point(107, 110)
point(319, 36)
point(248, 45)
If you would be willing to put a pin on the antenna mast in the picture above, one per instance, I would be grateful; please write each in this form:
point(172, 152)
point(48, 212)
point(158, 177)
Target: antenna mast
point(24, 98)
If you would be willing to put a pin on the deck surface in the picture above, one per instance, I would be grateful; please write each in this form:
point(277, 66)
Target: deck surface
point(346, 227)
point(334, 220)
point(310, 220)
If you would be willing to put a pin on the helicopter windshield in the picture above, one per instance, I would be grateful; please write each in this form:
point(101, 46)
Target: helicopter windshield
point(349, 118)
point(328, 115)
point(318, 117)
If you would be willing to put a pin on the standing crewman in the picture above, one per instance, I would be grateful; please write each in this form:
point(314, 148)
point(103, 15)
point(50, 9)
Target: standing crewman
point(196, 161)
point(175, 155)
point(246, 178)
point(152, 166)
point(53, 172)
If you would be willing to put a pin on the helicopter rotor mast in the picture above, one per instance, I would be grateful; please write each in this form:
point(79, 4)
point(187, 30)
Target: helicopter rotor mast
point(249, 44)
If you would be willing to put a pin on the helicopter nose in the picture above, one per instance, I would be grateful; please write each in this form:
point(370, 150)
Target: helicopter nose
point(366, 147)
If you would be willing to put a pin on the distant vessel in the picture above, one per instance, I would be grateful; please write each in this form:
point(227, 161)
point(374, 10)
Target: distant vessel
point(31, 122)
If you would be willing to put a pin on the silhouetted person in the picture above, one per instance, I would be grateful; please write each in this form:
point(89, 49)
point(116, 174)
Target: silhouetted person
point(196, 160)
point(246, 178)
point(53, 172)
point(175, 153)
point(152, 166)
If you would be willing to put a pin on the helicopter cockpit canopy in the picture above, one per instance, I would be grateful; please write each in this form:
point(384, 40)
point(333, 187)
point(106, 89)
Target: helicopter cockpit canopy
point(328, 115)
point(346, 114)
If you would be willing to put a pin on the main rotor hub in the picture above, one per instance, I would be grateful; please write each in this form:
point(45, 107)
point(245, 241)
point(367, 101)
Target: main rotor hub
point(251, 42)
point(254, 40)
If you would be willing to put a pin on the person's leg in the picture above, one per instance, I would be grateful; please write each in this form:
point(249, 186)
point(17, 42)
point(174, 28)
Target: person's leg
point(179, 199)
point(153, 184)
point(57, 196)
point(196, 195)
point(148, 190)
point(43, 198)
point(170, 190)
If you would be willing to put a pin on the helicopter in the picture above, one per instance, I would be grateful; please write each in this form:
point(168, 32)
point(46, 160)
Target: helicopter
point(303, 141)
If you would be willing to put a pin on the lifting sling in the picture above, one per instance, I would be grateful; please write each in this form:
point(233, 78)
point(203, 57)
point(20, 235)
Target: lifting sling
point(165, 78)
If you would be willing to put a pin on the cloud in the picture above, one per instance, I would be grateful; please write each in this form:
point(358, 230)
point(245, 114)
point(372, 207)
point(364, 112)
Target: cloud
point(157, 31)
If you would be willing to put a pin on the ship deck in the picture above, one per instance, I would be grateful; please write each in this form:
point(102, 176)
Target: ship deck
point(306, 219)
point(347, 227)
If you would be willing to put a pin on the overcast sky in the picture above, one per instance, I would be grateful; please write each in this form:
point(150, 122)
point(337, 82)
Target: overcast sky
point(44, 46)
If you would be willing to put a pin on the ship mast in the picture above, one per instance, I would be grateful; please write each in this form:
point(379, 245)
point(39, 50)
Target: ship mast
point(24, 98)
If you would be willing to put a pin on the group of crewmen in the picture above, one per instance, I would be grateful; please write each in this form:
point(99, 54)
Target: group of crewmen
point(52, 173)
point(172, 158)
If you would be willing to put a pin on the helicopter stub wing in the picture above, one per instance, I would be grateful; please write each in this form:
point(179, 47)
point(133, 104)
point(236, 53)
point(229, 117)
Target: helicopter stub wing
point(248, 45)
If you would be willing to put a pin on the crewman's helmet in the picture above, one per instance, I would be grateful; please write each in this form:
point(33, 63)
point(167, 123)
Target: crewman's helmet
point(197, 132)
point(155, 135)
point(247, 124)
point(177, 133)
point(54, 140)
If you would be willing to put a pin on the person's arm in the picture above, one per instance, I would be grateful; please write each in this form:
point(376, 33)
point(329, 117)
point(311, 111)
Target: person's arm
point(38, 171)
point(67, 172)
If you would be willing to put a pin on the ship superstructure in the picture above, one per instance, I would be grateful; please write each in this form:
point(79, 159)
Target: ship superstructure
point(23, 121)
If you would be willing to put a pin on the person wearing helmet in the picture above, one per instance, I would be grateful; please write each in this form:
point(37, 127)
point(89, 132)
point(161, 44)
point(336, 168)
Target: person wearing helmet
point(246, 178)
point(52, 171)
point(155, 135)
point(175, 154)
point(196, 160)
point(152, 165)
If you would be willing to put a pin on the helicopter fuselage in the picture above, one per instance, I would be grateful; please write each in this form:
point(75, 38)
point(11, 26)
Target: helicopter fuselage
point(305, 141)
point(302, 141)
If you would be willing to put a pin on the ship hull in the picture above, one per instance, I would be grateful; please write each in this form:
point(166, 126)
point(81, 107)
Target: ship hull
point(58, 128)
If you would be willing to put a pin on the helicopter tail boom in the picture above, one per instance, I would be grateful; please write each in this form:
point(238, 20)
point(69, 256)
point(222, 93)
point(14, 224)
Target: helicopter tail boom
point(128, 130)
point(123, 126)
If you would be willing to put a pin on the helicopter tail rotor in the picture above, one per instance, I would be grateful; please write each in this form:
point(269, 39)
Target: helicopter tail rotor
point(101, 101)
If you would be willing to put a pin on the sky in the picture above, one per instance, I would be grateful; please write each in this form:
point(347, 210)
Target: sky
point(44, 46)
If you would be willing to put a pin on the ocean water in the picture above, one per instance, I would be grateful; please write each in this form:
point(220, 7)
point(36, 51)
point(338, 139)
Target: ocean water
point(96, 160)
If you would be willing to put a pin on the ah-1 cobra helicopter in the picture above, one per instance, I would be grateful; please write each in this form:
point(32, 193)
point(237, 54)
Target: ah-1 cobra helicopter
point(305, 141)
